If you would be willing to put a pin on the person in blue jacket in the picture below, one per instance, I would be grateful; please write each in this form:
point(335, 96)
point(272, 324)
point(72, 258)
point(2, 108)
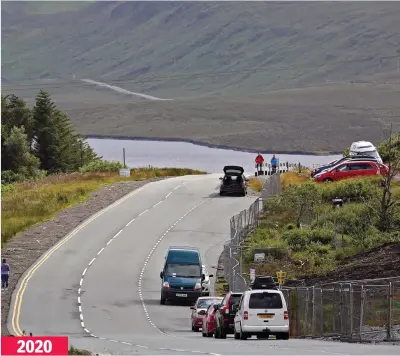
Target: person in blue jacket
point(5, 273)
point(274, 163)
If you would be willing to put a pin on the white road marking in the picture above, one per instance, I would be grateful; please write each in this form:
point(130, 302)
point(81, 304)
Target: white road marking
point(140, 280)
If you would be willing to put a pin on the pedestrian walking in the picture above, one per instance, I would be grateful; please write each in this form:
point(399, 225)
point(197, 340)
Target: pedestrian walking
point(5, 273)
point(259, 162)
point(274, 163)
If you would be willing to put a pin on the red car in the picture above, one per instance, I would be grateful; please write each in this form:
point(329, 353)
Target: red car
point(351, 170)
point(200, 309)
point(209, 319)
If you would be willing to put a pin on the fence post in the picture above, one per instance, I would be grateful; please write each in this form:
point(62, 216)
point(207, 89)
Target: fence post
point(313, 312)
point(361, 311)
point(389, 313)
point(297, 312)
point(351, 310)
point(342, 328)
point(307, 309)
point(322, 313)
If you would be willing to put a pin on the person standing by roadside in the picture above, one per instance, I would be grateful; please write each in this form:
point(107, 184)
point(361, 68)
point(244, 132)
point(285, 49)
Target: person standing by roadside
point(5, 273)
point(259, 162)
point(274, 163)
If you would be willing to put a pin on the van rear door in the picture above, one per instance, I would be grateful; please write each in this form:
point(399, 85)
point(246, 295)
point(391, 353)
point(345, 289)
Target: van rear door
point(266, 308)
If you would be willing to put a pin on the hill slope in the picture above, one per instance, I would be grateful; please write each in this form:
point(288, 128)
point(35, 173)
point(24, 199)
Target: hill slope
point(199, 47)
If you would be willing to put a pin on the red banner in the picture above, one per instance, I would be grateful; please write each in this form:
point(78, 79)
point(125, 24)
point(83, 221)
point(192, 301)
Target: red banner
point(34, 345)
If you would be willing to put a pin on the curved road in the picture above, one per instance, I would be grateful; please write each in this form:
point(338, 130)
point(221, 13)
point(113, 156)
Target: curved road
point(100, 285)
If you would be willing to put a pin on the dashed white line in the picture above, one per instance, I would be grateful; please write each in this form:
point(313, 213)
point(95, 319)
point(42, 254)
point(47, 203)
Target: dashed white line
point(140, 280)
point(143, 212)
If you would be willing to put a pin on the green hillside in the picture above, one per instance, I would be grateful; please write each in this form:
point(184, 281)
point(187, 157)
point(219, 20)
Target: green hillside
point(173, 49)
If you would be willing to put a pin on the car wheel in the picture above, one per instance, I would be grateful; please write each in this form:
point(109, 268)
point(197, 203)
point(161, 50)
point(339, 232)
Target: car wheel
point(210, 334)
point(328, 180)
point(236, 335)
point(162, 301)
point(216, 333)
point(192, 327)
point(243, 336)
point(222, 333)
point(285, 336)
point(196, 329)
point(221, 194)
point(204, 333)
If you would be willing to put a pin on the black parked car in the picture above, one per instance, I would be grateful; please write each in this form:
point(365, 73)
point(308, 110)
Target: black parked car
point(225, 314)
point(341, 160)
point(234, 181)
point(264, 282)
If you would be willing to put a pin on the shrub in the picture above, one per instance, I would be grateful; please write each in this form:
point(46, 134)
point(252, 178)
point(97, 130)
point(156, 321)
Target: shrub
point(323, 236)
point(297, 239)
point(350, 189)
point(102, 166)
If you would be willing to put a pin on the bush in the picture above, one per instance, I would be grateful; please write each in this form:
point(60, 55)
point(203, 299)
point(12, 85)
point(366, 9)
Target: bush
point(102, 166)
point(297, 239)
point(350, 189)
point(323, 236)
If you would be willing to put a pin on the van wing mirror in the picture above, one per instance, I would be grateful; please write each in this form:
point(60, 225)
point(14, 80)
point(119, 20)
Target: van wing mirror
point(192, 307)
point(210, 275)
point(203, 277)
point(161, 274)
point(220, 178)
point(216, 307)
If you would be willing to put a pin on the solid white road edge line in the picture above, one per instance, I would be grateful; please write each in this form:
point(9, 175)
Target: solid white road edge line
point(141, 274)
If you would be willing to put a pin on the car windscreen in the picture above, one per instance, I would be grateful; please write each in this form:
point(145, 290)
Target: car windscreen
point(265, 300)
point(183, 256)
point(204, 303)
point(183, 270)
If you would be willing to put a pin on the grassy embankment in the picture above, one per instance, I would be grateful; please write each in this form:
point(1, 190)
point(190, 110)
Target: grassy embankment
point(326, 236)
point(32, 202)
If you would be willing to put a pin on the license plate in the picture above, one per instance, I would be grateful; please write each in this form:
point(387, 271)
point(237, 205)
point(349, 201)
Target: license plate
point(266, 316)
point(181, 295)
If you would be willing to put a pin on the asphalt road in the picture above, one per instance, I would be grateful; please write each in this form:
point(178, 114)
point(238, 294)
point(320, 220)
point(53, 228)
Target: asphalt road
point(101, 287)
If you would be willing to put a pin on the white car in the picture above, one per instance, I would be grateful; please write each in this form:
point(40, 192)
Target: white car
point(262, 312)
point(206, 285)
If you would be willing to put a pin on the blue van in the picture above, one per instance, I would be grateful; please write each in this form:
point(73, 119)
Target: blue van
point(182, 274)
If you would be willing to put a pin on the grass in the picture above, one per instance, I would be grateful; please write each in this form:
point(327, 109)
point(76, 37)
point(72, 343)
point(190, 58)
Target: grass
point(286, 120)
point(232, 46)
point(29, 203)
point(74, 351)
point(256, 184)
point(311, 250)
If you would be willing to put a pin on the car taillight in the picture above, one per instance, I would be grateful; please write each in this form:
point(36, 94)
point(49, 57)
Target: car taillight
point(246, 315)
point(285, 315)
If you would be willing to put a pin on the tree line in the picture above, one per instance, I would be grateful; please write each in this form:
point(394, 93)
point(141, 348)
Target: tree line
point(39, 141)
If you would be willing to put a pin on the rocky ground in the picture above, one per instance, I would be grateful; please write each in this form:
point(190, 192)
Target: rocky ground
point(24, 249)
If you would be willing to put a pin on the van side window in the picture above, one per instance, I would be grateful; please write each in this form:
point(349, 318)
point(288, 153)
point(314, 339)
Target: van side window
point(265, 300)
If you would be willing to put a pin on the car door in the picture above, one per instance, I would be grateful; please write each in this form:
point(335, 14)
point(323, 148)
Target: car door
point(341, 172)
point(365, 169)
point(266, 308)
point(237, 318)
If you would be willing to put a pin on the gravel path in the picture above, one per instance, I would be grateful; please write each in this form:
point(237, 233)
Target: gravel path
point(25, 248)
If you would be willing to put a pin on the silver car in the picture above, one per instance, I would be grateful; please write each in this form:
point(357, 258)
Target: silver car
point(206, 285)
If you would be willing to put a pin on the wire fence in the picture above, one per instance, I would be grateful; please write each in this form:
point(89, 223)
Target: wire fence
point(360, 311)
point(241, 225)
point(366, 310)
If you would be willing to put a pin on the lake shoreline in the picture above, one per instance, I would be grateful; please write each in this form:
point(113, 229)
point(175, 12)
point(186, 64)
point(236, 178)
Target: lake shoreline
point(209, 145)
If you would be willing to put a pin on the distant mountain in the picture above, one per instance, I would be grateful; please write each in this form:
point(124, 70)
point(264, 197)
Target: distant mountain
point(199, 47)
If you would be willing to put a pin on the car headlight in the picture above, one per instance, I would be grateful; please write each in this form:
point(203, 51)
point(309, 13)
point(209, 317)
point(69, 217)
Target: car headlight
point(317, 175)
point(165, 285)
point(197, 286)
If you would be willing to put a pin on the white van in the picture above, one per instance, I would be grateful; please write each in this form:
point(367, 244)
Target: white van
point(364, 148)
point(262, 312)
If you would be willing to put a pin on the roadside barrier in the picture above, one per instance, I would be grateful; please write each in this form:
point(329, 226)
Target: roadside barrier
point(282, 167)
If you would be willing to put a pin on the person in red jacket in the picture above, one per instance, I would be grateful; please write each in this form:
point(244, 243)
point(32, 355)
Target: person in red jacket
point(259, 162)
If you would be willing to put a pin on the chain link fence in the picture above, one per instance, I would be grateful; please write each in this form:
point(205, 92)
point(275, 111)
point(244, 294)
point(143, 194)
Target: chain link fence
point(241, 225)
point(360, 311)
point(356, 310)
